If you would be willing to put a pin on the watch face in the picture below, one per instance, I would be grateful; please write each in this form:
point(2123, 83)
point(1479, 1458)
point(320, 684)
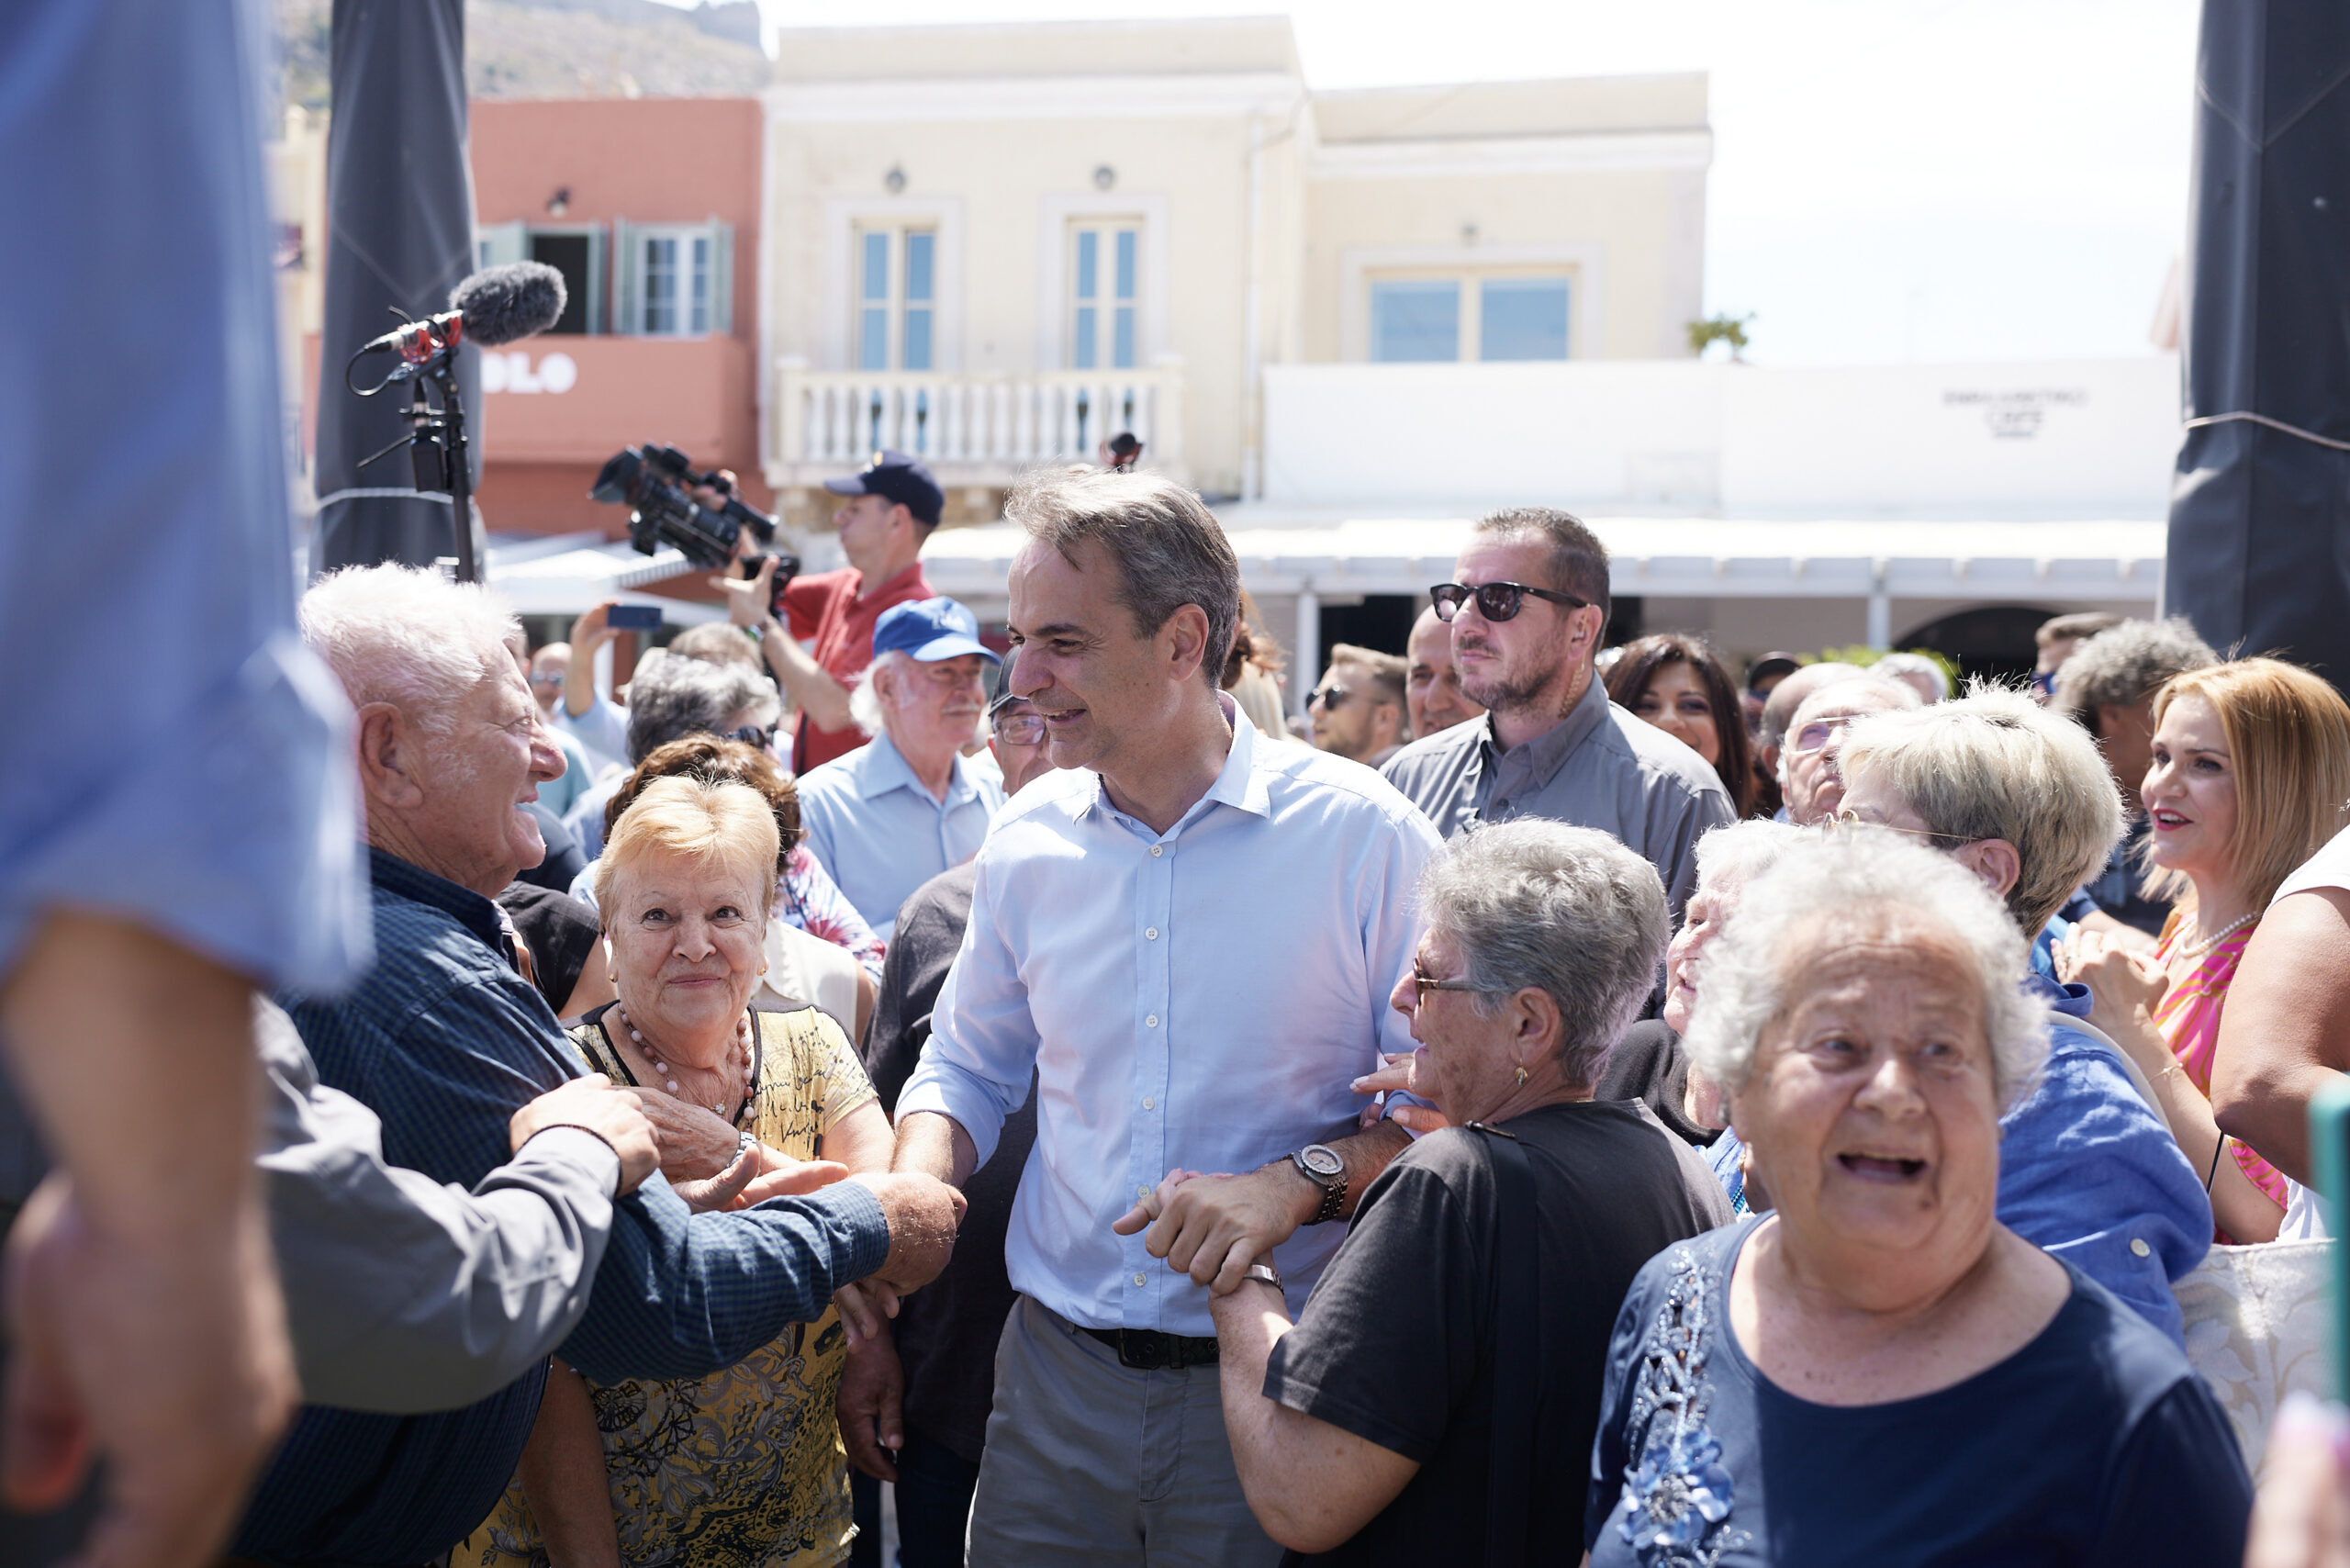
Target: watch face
point(1321, 1162)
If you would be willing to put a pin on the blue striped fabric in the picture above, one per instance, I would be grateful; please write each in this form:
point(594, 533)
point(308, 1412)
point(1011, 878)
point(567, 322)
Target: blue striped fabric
point(445, 1041)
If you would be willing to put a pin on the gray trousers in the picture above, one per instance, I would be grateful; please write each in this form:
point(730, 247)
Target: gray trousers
point(1090, 1463)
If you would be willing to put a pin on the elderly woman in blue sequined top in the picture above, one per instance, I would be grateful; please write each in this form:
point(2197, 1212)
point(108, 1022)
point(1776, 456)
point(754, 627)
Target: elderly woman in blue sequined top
point(1879, 1372)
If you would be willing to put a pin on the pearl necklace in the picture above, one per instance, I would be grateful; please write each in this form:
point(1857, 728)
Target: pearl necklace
point(741, 1037)
point(2196, 949)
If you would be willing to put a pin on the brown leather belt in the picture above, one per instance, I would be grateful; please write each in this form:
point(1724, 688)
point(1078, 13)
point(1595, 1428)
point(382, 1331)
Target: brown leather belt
point(1147, 1350)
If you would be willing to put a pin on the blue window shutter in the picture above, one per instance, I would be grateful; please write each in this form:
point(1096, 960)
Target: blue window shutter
point(722, 277)
point(598, 286)
point(496, 244)
point(626, 265)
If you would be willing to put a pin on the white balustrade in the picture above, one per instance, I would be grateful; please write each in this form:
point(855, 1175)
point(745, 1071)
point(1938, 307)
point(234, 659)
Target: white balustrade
point(976, 426)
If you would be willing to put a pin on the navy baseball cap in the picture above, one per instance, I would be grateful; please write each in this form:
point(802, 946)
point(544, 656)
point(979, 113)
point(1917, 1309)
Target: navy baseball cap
point(929, 630)
point(900, 477)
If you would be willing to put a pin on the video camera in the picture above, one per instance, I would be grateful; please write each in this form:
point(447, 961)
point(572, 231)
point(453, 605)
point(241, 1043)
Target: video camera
point(653, 482)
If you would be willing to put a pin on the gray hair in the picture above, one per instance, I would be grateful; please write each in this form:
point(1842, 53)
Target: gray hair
point(1578, 560)
point(2125, 666)
point(409, 636)
point(1169, 548)
point(1873, 876)
point(1566, 911)
point(716, 642)
point(1737, 853)
point(864, 702)
point(1894, 666)
point(671, 698)
point(1997, 764)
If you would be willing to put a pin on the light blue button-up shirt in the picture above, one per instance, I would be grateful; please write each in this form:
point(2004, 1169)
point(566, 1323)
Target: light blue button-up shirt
point(1201, 997)
point(881, 833)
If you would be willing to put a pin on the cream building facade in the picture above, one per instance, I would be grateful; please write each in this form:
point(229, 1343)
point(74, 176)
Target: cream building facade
point(998, 245)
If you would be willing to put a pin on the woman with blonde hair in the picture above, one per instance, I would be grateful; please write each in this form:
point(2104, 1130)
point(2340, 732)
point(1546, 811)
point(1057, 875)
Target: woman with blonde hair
point(743, 1468)
point(2250, 777)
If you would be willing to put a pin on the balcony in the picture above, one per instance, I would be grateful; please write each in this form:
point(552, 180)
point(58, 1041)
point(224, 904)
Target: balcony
point(972, 429)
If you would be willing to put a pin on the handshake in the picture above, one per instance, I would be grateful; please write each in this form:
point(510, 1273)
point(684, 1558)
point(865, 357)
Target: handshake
point(711, 1167)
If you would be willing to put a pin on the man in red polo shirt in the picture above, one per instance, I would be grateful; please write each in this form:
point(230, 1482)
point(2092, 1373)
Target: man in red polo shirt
point(893, 505)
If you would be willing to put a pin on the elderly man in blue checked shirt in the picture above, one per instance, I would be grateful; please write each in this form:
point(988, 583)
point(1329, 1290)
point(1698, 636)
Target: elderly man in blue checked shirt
point(445, 1040)
point(1189, 937)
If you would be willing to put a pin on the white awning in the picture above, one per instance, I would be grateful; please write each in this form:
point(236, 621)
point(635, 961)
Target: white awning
point(1284, 551)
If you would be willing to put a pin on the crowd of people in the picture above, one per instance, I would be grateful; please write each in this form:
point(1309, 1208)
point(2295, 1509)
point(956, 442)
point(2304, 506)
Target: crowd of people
point(1553, 1100)
point(1475, 1124)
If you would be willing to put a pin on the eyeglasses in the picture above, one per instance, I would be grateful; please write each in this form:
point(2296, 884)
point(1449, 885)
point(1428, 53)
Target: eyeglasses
point(548, 677)
point(1331, 697)
point(1495, 601)
point(751, 735)
point(1816, 735)
point(1847, 817)
point(1423, 985)
point(1020, 729)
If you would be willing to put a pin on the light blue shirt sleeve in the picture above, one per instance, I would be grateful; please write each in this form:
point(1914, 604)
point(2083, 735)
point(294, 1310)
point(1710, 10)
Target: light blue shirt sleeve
point(983, 1039)
point(176, 756)
point(603, 729)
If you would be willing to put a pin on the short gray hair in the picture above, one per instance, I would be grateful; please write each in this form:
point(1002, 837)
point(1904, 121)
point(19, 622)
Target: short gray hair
point(671, 698)
point(1894, 666)
point(409, 636)
point(1169, 548)
point(1997, 764)
point(1739, 852)
point(1754, 969)
point(864, 702)
point(2124, 666)
point(716, 642)
point(1566, 911)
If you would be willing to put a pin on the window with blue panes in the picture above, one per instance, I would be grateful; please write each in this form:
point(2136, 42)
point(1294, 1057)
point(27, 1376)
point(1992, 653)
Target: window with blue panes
point(1509, 315)
point(1103, 293)
point(897, 299)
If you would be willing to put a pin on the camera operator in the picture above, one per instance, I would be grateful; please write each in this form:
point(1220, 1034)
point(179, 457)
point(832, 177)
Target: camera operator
point(893, 505)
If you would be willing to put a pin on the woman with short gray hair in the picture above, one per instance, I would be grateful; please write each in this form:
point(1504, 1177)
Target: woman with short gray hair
point(1851, 1379)
point(1399, 1414)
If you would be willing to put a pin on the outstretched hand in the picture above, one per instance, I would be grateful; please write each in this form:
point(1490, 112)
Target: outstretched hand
point(747, 598)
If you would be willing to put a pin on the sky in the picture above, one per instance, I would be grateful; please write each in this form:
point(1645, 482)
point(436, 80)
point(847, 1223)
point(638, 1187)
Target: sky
point(1926, 181)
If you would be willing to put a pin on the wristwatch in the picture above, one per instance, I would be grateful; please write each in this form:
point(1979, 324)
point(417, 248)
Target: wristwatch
point(1265, 1273)
point(1320, 1164)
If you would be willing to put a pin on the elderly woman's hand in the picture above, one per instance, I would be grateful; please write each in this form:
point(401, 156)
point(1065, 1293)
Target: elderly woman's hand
point(1399, 1073)
point(696, 1144)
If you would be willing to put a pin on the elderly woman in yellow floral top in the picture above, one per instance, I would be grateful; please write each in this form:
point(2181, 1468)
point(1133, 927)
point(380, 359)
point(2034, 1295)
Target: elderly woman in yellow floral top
point(743, 1468)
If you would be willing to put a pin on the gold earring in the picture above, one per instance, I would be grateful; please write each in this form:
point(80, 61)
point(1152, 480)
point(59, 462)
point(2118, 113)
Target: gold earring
point(1521, 1077)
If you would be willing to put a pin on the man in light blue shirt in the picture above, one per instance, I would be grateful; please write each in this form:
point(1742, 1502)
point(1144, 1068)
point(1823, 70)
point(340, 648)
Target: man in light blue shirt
point(1189, 937)
point(908, 804)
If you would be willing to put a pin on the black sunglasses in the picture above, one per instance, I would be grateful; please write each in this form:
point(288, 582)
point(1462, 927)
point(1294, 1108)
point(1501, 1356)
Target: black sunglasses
point(1495, 601)
point(1331, 697)
point(752, 735)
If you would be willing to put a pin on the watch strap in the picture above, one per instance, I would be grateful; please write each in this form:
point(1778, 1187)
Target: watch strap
point(1267, 1274)
point(1334, 1190)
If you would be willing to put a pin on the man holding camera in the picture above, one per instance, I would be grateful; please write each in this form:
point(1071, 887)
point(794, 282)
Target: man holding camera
point(894, 504)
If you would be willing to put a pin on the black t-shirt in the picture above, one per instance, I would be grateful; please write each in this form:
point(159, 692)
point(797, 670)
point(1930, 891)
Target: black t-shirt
point(560, 931)
point(2096, 1445)
point(946, 1331)
point(1649, 1065)
point(1396, 1343)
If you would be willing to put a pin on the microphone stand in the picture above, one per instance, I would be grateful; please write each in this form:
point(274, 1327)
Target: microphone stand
point(436, 443)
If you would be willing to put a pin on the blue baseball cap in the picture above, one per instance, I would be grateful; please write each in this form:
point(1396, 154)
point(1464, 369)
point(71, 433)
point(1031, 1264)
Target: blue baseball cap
point(929, 630)
point(898, 476)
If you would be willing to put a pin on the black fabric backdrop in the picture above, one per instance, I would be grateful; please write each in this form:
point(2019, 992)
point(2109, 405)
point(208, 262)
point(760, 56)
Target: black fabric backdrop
point(2260, 519)
point(399, 232)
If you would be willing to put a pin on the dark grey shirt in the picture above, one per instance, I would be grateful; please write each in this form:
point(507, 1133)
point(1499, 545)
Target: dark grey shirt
point(1600, 767)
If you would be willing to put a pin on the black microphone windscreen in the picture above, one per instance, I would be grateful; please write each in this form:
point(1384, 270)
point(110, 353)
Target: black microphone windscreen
point(503, 305)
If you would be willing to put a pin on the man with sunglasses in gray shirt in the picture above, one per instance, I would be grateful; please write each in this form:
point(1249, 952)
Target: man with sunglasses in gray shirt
point(1527, 609)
